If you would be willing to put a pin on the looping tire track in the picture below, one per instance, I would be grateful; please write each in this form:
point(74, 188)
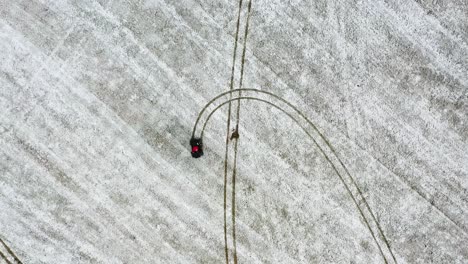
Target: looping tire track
point(380, 231)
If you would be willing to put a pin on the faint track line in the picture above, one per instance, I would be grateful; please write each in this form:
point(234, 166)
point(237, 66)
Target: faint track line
point(49, 57)
point(419, 193)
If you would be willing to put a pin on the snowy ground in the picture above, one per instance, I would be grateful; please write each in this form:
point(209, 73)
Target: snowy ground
point(98, 99)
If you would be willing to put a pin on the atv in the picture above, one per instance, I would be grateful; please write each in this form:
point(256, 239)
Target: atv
point(197, 147)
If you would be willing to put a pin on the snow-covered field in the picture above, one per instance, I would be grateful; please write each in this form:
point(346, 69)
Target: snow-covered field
point(98, 99)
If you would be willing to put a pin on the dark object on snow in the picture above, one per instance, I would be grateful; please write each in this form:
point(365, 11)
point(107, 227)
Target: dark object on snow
point(197, 147)
point(235, 134)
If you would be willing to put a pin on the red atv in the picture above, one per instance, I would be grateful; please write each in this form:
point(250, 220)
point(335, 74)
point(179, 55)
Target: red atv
point(197, 147)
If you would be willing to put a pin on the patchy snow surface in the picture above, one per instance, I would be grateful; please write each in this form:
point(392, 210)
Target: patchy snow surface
point(98, 99)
